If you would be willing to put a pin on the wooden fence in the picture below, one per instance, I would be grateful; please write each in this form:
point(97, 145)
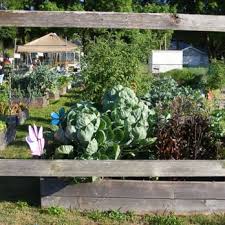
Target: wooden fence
point(110, 168)
point(140, 195)
point(159, 21)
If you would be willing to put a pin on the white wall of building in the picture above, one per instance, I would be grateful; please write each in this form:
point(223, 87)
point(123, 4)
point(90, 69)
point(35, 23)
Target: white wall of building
point(162, 61)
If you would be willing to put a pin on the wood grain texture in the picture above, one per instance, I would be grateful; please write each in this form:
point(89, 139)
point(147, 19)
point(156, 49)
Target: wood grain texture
point(112, 168)
point(107, 189)
point(138, 196)
point(159, 21)
point(135, 189)
point(141, 206)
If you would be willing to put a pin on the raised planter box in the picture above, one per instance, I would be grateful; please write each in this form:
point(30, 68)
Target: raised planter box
point(62, 91)
point(34, 102)
point(54, 95)
point(7, 136)
point(197, 195)
point(23, 116)
point(39, 102)
point(137, 196)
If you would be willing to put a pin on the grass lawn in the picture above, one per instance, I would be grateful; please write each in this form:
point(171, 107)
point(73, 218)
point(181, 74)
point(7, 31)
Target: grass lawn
point(41, 117)
point(21, 214)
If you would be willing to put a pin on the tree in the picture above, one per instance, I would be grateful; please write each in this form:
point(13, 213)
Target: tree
point(15, 4)
point(147, 40)
point(7, 36)
point(142, 40)
point(105, 5)
point(108, 63)
point(199, 6)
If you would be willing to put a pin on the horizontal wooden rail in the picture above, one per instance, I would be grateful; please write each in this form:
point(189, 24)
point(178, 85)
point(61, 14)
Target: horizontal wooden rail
point(159, 21)
point(136, 196)
point(109, 168)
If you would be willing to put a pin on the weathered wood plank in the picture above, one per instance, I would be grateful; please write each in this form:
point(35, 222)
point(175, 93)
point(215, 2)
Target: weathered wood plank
point(137, 205)
point(135, 189)
point(112, 168)
point(199, 190)
point(107, 189)
point(137, 196)
point(160, 21)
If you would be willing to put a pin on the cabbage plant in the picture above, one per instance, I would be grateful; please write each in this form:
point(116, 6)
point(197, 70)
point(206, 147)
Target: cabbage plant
point(129, 114)
point(124, 122)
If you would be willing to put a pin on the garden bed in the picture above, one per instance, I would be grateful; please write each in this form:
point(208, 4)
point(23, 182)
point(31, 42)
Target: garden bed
point(62, 90)
point(179, 197)
point(34, 102)
point(23, 116)
point(54, 95)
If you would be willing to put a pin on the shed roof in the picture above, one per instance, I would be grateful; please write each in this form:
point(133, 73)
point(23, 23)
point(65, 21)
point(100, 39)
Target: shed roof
point(48, 43)
point(195, 49)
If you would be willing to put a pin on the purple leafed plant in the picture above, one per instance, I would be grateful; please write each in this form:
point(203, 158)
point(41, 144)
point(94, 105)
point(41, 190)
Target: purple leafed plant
point(36, 141)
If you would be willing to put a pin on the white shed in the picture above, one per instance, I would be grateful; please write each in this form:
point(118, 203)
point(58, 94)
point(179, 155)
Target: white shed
point(162, 61)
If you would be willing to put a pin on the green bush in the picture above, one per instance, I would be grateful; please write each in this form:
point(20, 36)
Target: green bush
point(193, 77)
point(4, 92)
point(165, 89)
point(218, 122)
point(2, 126)
point(63, 80)
point(187, 134)
point(216, 75)
point(36, 84)
point(143, 81)
point(108, 63)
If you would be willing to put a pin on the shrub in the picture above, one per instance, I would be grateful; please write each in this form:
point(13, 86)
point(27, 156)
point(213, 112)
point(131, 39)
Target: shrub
point(107, 64)
point(193, 77)
point(4, 92)
point(37, 84)
point(2, 126)
point(163, 90)
point(63, 80)
point(143, 81)
point(216, 75)
point(187, 134)
point(4, 109)
point(218, 122)
point(43, 79)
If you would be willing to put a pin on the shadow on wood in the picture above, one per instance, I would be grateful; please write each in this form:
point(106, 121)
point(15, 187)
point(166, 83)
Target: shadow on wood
point(137, 196)
point(25, 189)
